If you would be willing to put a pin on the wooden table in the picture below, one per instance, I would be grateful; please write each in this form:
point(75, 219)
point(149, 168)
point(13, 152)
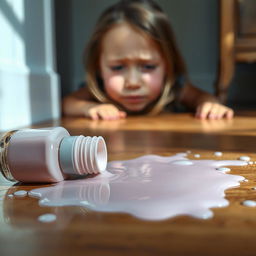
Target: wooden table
point(232, 230)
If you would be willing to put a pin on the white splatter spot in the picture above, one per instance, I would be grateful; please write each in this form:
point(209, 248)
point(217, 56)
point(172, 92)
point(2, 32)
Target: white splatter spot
point(48, 217)
point(20, 193)
point(218, 154)
point(244, 158)
point(223, 169)
point(197, 155)
point(249, 203)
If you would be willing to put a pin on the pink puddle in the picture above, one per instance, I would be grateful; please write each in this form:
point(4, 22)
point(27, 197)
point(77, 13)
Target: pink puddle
point(150, 187)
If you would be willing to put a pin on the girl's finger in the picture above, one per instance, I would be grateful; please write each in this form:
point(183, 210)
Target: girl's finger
point(92, 113)
point(229, 114)
point(113, 114)
point(108, 114)
point(103, 114)
point(122, 114)
point(203, 110)
point(224, 112)
point(215, 112)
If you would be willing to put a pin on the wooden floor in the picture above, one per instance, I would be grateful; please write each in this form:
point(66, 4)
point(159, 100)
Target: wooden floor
point(77, 231)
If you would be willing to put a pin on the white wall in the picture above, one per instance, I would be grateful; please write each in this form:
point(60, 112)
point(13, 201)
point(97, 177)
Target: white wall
point(29, 84)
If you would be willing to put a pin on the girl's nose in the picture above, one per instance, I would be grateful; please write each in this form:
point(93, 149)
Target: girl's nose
point(132, 80)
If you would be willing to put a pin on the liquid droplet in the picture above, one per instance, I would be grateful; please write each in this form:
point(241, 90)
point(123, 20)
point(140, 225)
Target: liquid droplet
point(249, 203)
point(223, 169)
point(244, 158)
point(47, 218)
point(218, 154)
point(20, 193)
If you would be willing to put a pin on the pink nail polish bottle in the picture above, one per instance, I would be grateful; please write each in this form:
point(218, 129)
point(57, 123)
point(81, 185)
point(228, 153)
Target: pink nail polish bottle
point(50, 155)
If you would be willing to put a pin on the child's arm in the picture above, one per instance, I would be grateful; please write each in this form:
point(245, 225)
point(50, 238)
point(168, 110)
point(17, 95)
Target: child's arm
point(204, 104)
point(80, 103)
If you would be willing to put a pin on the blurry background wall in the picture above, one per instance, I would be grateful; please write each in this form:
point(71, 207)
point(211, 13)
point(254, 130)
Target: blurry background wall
point(29, 84)
point(195, 23)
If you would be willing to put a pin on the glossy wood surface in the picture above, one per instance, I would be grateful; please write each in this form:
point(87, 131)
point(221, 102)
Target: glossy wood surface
point(79, 231)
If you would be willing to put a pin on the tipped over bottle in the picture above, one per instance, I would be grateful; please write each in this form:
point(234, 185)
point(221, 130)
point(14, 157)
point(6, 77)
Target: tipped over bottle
point(50, 155)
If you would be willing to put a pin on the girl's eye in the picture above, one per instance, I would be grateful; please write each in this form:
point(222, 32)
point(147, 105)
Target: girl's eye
point(117, 67)
point(149, 67)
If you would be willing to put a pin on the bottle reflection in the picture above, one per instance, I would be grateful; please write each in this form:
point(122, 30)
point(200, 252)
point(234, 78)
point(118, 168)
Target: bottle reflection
point(23, 212)
point(73, 193)
point(95, 193)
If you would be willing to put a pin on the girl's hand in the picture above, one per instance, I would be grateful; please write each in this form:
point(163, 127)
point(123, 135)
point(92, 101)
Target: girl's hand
point(104, 111)
point(213, 110)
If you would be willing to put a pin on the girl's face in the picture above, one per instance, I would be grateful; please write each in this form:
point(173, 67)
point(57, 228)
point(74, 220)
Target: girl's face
point(131, 67)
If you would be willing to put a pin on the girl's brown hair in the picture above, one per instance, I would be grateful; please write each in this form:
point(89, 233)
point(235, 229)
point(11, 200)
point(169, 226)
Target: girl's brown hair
point(148, 18)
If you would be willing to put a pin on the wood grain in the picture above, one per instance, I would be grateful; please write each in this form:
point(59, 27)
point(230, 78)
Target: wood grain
point(79, 231)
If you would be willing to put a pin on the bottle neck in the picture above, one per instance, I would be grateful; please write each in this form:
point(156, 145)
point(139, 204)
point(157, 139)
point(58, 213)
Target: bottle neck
point(4, 167)
point(83, 155)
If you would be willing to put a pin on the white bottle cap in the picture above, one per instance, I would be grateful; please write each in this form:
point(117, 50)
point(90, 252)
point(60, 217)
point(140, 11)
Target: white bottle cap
point(83, 155)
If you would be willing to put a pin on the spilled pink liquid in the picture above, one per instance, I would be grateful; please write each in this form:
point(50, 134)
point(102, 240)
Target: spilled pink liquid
point(150, 187)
